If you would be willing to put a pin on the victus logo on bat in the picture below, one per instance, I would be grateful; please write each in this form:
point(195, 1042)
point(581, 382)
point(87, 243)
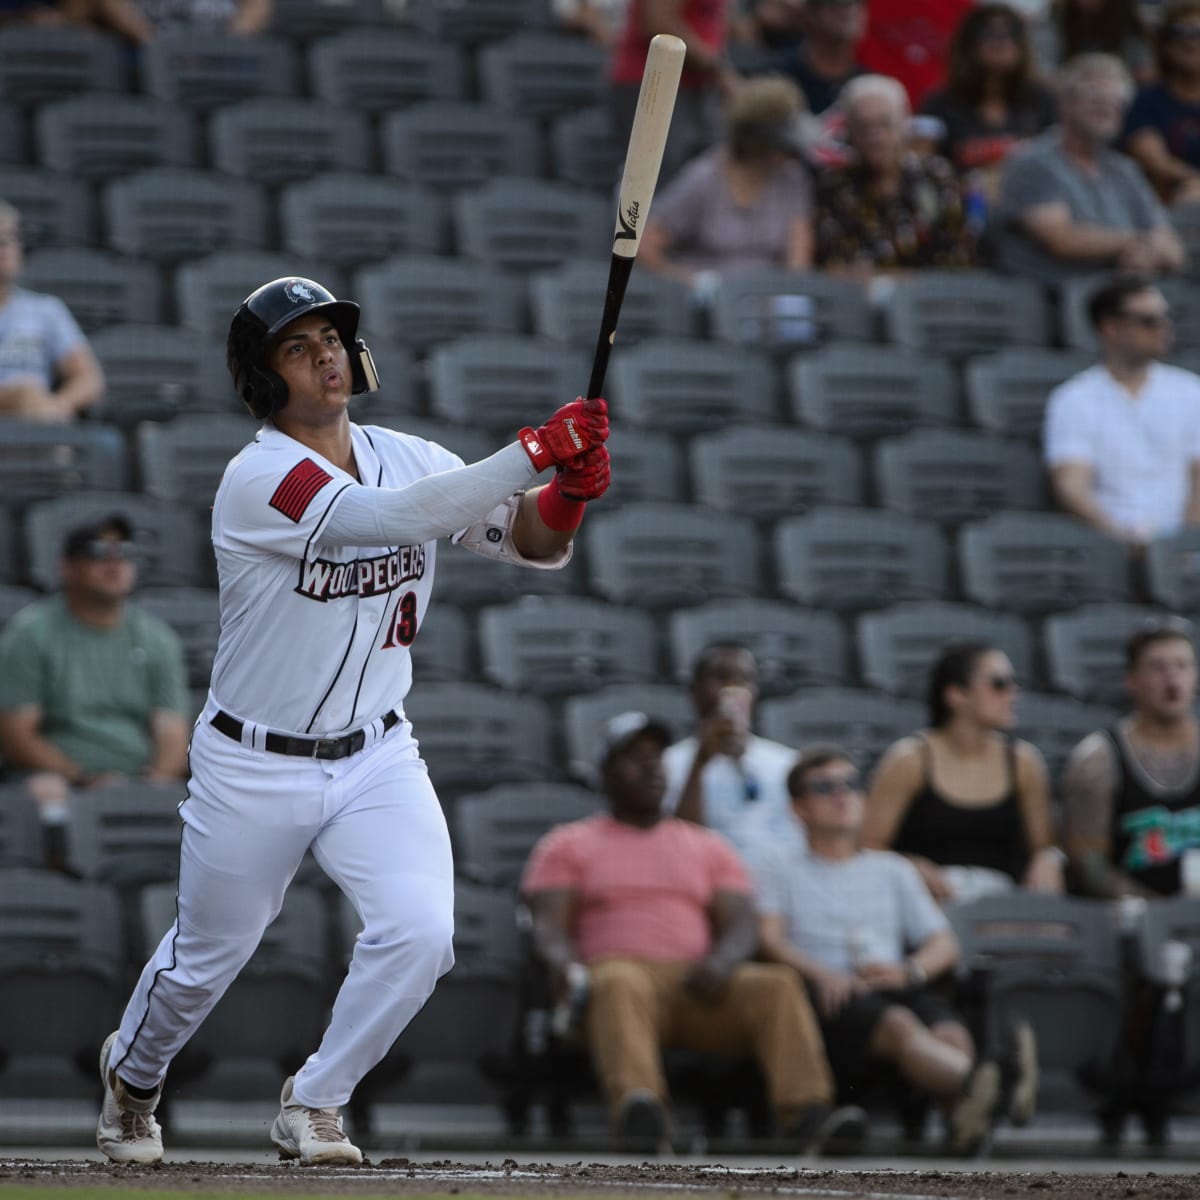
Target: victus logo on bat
point(628, 221)
point(323, 580)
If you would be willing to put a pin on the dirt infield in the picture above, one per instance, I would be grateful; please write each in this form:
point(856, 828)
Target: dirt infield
point(398, 1176)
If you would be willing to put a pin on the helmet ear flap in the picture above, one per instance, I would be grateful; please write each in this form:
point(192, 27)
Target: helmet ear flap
point(264, 392)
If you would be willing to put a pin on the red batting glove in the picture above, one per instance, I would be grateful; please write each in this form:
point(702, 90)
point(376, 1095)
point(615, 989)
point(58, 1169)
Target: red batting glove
point(561, 502)
point(575, 428)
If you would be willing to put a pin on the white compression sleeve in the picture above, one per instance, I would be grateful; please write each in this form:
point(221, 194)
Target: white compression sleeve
point(433, 507)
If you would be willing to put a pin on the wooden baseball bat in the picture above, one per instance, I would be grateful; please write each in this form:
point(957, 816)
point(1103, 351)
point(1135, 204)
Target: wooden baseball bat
point(643, 157)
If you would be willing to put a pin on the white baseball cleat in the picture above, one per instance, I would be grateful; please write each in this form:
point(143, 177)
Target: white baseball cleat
point(127, 1131)
point(313, 1135)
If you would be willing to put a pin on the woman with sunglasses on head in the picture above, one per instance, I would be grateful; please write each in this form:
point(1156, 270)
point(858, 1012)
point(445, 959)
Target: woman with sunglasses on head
point(966, 802)
point(1162, 130)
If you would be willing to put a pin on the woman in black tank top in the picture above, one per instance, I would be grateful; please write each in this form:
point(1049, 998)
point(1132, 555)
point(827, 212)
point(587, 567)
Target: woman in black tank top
point(964, 800)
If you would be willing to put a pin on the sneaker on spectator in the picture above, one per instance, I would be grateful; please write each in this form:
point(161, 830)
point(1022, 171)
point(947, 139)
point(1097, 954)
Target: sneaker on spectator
point(823, 1129)
point(970, 1120)
point(642, 1123)
point(127, 1131)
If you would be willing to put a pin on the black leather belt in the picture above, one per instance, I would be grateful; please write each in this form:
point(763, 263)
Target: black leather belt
point(282, 743)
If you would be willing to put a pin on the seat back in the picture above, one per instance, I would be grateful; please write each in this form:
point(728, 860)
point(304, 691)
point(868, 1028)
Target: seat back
point(182, 461)
point(100, 289)
point(1007, 391)
point(475, 21)
point(201, 70)
point(20, 825)
point(585, 149)
point(541, 74)
point(38, 461)
point(126, 834)
point(56, 209)
point(445, 645)
point(649, 466)
point(1057, 724)
point(1173, 571)
point(42, 63)
point(195, 615)
point(380, 70)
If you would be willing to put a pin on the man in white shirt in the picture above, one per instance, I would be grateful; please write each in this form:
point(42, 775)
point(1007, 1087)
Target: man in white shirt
point(1122, 439)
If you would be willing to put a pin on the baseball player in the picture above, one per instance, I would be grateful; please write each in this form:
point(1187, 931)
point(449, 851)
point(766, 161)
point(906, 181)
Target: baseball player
point(325, 535)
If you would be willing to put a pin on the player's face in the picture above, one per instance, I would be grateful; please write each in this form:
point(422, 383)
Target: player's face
point(636, 779)
point(990, 698)
point(725, 668)
point(832, 801)
point(1163, 680)
point(310, 358)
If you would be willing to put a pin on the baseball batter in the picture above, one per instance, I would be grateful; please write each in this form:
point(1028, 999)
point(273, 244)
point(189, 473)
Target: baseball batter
point(325, 535)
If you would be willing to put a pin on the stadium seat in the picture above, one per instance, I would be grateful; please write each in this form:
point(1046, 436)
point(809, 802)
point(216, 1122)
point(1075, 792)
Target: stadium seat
point(647, 465)
point(854, 558)
point(56, 209)
point(300, 20)
point(688, 386)
point(126, 834)
point(195, 616)
point(1183, 295)
point(40, 460)
point(42, 64)
point(1039, 562)
point(477, 21)
point(661, 555)
point(99, 288)
point(202, 70)
point(399, 399)
point(585, 150)
point(502, 383)
point(166, 214)
point(541, 75)
point(14, 150)
point(865, 391)
point(862, 722)
point(897, 646)
point(1056, 725)
point(379, 70)
point(951, 476)
point(20, 826)
point(445, 645)
point(468, 580)
point(1007, 391)
point(790, 310)
point(551, 645)
point(181, 461)
point(768, 471)
point(567, 302)
point(419, 301)
point(447, 144)
point(960, 313)
point(99, 136)
point(276, 140)
point(530, 224)
point(469, 444)
point(794, 648)
point(1085, 649)
point(155, 372)
point(1172, 569)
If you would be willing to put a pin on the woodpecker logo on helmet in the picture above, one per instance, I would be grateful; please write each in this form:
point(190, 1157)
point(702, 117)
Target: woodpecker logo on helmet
point(298, 292)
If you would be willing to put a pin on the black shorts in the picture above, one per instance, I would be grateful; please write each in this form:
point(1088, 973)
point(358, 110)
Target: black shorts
point(848, 1034)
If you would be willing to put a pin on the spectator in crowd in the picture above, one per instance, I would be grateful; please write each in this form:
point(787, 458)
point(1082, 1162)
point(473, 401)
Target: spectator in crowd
point(141, 21)
point(47, 369)
point(1069, 203)
point(743, 204)
point(1131, 792)
point(991, 100)
point(708, 78)
point(909, 40)
point(889, 209)
point(827, 57)
point(1111, 27)
point(599, 20)
point(768, 25)
point(966, 803)
point(1162, 131)
point(862, 931)
point(724, 775)
point(1122, 438)
point(92, 689)
point(659, 913)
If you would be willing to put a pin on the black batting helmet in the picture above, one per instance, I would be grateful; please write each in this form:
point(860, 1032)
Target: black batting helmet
point(263, 315)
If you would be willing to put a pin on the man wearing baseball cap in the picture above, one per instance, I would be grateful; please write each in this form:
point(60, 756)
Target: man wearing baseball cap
point(658, 911)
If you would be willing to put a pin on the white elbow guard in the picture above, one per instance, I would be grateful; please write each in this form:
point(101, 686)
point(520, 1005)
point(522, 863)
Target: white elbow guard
point(492, 538)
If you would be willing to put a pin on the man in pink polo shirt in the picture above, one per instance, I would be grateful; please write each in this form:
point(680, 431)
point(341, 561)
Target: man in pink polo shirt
point(659, 912)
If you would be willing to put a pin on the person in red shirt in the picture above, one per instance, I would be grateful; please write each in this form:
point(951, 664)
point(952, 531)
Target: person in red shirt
point(657, 913)
point(910, 41)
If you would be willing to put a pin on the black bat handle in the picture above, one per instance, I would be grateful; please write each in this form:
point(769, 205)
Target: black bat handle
point(618, 278)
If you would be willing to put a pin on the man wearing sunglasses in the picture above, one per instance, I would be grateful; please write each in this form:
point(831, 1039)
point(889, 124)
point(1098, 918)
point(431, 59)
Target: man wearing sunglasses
point(92, 689)
point(1122, 439)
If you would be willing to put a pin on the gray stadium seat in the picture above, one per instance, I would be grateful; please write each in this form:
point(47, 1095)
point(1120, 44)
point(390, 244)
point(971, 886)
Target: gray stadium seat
point(14, 150)
point(378, 70)
point(166, 538)
point(541, 74)
point(38, 460)
point(475, 21)
point(665, 555)
point(300, 20)
point(358, 219)
point(1007, 391)
point(960, 313)
point(503, 383)
point(276, 140)
point(195, 616)
point(530, 224)
point(794, 647)
point(855, 558)
point(167, 214)
point(445, 645)
point(787, 310)
point(447, 144)
point(155, 372)
point(1183, 295)
point(897, 646)
point(181, 461)
point(951, 476)
point(646, 465)
point(1057, 724)
point(127, 834)
point(466, 579)
point(1172, 569)
point(1039, 562)
point(399, 399)
point(551, 645)
point(56, 209)
point(419, 301)
point(201, 70)
point(20, 825)
point(567, 302)
point(39, 65)
point(99, 288)
point(1085, 649)
point(99, 136)
point(863, 722)
point(688, 386)
point(585, 149)
point(865, 391)
point(768, 471)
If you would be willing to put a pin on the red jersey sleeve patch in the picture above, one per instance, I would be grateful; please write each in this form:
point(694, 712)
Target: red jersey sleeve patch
point(298, 488)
